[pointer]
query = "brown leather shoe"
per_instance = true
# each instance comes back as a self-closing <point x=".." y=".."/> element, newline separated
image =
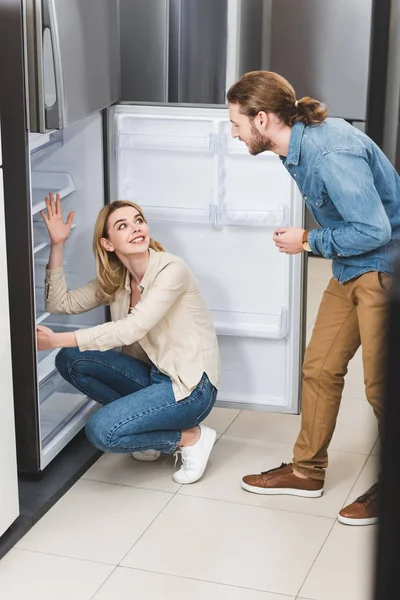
<point x="364" y="510"/>
<point x="282" y="480"/>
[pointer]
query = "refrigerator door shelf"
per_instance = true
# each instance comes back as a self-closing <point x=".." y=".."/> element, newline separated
<point x="132" y="141"/>
<point x="279" y="217"/>
<point x="44" y="182"/>
<point x="183" y="215"/>
<point x="267" y="326"/>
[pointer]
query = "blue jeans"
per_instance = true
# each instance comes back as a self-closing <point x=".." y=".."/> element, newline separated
<point x="139" y="408"/>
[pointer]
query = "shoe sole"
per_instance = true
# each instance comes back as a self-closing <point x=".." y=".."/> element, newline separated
<point x="282" y="491"/>
<point x="357" y="522"/>
<point x="187" y="482"/>
<point x="149" y="459"/>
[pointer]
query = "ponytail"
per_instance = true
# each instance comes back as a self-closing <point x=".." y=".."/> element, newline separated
<point x="269" y="92"/>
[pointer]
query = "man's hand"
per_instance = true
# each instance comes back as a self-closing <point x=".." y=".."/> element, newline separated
<point x="289" y="239"/>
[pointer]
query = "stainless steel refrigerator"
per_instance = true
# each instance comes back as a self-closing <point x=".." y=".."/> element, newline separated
<point x="204" y="195"/>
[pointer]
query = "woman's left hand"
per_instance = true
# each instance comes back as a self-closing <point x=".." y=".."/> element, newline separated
<point x="45" y="338"/>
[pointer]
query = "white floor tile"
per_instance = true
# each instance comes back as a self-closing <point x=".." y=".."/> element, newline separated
<point x="344" y="569"/>
<point x="130" y="583"/>
<point x="220" y="418"/>
<point x="123" y="469"/>
<point x="356" y="429"/>
<point x="228" y="543"/>
<point x="34" y="576"/>
<point x="234" y="457"/>
<point x="95" y="521"/>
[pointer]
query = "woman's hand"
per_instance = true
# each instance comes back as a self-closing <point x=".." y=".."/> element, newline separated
<point x="45" y="338"/>
<point x="58" y="230"/>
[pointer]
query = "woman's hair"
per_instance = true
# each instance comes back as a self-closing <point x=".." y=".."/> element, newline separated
<point x="111" y="273"/>
<point x="269" y="92"/>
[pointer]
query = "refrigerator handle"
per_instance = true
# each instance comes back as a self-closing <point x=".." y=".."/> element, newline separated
<point x="55" y="111"/>
<point x="35" y="62"/>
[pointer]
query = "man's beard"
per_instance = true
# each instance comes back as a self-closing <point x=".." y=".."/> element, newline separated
<point x="258" y="143"/>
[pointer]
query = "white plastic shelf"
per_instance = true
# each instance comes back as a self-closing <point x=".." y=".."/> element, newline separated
<point x="44" y="243"/>
<point x="267" y="326"/>
<point x="180" y="215"/>
<point x="40" y="317"/>
<point x="46" y="363"/>
<point x="142" y="141"/>
<point x="226" y="216"/>
<point x="44" y="182"/>
<point x="42" y="145"/>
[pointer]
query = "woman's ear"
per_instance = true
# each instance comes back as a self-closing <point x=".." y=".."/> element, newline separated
<point x="107" y="245"/>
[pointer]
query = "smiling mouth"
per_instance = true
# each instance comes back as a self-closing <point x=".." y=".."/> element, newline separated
<point x="137" y="240"/>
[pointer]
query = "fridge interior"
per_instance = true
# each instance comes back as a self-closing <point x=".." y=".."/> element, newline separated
<point x="69" y="162"/>
<point x="210" y="202"/>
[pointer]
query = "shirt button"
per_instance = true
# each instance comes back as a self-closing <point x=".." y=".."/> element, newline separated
<point x="305" y="197"/>
<point x="294" y="174"/>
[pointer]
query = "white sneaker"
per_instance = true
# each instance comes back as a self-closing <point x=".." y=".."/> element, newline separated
<point x="146" y="455"/>
<point x="195" y="458"/>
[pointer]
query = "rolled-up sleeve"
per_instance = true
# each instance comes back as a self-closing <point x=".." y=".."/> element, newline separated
<point x="170" y="283"/>
<point x="349" y="183"/>
<point x="60" y="300"/>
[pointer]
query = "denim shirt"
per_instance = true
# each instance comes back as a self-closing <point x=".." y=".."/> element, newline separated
<point x="353" y="192"/>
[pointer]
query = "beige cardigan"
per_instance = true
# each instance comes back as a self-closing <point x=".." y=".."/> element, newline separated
<point x="170" y="326"/>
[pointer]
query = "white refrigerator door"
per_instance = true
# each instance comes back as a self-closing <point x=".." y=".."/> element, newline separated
<point x="210" y="202"/>
<point x="9" y="508"/>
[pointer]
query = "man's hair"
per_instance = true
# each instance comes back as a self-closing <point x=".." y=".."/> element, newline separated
<point x="269" y="92"/>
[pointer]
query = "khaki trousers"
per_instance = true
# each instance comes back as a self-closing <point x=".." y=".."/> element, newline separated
<point x="350" y="314"/>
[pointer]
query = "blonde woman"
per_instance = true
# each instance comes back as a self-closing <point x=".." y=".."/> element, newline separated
<point x="158" y="390"/>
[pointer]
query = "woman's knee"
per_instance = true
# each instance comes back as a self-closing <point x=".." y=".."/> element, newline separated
<point x="64" y="360"/>
<point x="96" y="432"/>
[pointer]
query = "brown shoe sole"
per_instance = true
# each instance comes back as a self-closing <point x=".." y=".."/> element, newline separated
<point x="286" y="491"/>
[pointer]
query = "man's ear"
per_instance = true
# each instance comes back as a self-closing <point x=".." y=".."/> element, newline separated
<point x="107" y="245"/>
<point x="261" y="120"/>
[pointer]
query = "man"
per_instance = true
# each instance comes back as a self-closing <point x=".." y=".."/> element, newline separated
<point x="353" y="192"/>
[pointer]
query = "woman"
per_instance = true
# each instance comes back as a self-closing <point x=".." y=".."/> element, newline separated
<point x="164" y="383"/>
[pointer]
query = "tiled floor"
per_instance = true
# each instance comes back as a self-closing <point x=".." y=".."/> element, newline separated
<point x="126" y="530"/>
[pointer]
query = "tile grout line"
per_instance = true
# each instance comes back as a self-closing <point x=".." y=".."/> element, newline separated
<point x="148" y="527"/>
<point x="316" y="558"/>
<point x="104" y="582"/>
<point x="232" y="585"/>
<point x="359" y="475"/>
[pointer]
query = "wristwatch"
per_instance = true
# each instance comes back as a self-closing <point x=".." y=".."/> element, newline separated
<point x="304" y="242"/>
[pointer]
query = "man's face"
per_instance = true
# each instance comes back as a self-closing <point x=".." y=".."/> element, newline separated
<point x="249" y="131"/>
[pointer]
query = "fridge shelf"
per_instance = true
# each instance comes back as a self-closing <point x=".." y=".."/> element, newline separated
<point x="252" y="218"/>
<point x="46" y="364"/>
<point x="180" y="214"/>
<point x="44" y="144"/>
<point x="44" y="182"/>
<point x="252" y="325"/>
<point x="133" y="141"/>
<point x="40" y="247"/>
<point x="42" y="317"/>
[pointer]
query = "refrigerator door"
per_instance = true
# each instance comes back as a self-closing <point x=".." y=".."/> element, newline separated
<point x="210" y="202"/>
<point x="9" y="508"/>
<point x="73" y="59"/>
<point x="71" y="165"/>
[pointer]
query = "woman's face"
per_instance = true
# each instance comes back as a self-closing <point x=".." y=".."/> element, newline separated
<point x="128" y="233"/>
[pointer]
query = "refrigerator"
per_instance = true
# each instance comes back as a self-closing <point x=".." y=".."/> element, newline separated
<point x="206" y="200"/>
<point x="9" y="506"/>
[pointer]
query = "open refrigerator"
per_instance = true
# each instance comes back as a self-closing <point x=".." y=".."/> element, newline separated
<point x="206" y="200"/>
